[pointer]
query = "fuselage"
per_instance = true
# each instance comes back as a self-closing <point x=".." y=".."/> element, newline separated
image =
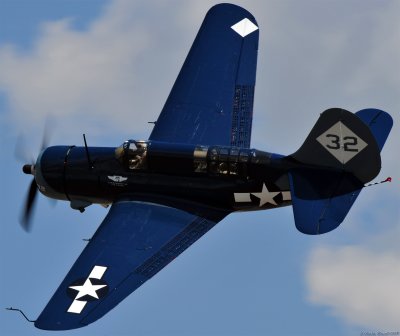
<point x="220" y="177"/>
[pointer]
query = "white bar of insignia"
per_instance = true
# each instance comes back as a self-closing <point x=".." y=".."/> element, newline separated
<point x="97" y="272"/>
<point x="242" y="197"/>
<point x="76" y="306"/>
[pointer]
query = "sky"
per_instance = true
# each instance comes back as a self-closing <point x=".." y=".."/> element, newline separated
<point x="105" y="68"/>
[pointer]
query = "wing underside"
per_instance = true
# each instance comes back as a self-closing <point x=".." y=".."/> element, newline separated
<point x="134" y="242"/>
<point x="211" y="102"/>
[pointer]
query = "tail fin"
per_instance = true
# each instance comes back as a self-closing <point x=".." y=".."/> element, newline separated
<point x="341" y="153"/>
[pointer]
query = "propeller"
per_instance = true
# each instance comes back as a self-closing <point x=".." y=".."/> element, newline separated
<point x="22" y="154"/>
<point x="30" y="198"/>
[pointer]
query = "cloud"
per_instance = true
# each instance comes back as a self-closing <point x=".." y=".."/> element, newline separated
<point x="101" y="79"/>
<point x="344" y="57"/>
<point x="116" y="74"/>
<point x="358" y="284"/>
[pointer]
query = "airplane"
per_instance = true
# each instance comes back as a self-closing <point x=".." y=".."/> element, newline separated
<point x="196" y="168"/>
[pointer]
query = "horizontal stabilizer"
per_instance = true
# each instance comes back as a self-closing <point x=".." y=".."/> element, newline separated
<point x="314" y="214"/>
<point x="379" y="122"/>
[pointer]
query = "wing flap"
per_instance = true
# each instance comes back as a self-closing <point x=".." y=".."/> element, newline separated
<point x="134" y="242"/>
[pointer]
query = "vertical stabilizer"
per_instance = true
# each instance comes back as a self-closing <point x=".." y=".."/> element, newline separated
<point x="341" y="153"/>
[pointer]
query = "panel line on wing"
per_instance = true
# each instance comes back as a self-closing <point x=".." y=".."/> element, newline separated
<point x="242" y="115"/>
<point x="175" y="247"/>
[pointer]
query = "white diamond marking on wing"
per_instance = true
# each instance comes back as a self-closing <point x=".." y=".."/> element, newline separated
<point x="341" y="142"/>
<point x="244" y="27"/>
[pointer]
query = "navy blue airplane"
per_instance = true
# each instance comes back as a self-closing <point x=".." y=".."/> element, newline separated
<point x="196" y="168"/>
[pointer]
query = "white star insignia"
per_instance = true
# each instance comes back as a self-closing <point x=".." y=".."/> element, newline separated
<point x="87" y="289"/>
<point x="266" y="196"/>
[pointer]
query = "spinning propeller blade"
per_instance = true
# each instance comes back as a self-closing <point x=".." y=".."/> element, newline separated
<point x="21" y="154"/>
<point x="30" y="200"/>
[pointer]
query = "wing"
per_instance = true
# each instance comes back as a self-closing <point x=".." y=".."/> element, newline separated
<point x="211" y="102"/>
<point x="134" y="242"/>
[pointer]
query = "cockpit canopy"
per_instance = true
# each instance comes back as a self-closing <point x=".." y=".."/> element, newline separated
<point x="132" y="154"/>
